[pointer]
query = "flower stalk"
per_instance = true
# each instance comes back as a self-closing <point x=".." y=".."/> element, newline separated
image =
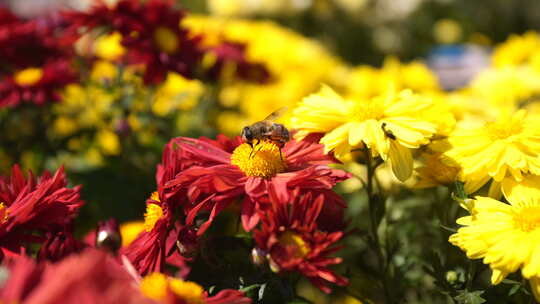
<point x="376" y="213"/>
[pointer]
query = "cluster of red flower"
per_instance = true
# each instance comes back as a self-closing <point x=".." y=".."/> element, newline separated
<point x="36" y="56"/>
<point x="33" y="62"/>
<point x="295" y="216"/>
<point x="292" y="214"/>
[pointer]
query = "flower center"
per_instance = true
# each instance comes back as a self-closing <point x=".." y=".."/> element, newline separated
<point x="370" y="109"/>
<point x="28" y="77"/>
<point x="190" y="292"/>
<point x="166" y="40"/>
<point x="528" y="218"/>
<point x="292" y="240"/>
<point x="155" y="286"/>
<point x="152" y="215"/>
<point x="503" y="129"/>
<point x="3" y="213"/>
<point x="264" y="159"/>
<point x="110" y="47"/>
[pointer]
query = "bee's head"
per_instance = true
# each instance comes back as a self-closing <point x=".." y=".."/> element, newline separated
<point x="247" y="135"/>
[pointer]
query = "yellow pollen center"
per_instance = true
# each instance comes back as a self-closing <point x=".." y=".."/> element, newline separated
<point x="292" y="240"/>
<point x="155" y="285"/>
<point x="503" y="130"/>
<point x="28" y="77"/>
<point x="3" y="213"/>
<point x="190" y="292"/>
<point x="155" y="196"/>
<point x="371" y="109"/>
<point x="166" y="40"/>
<point x="152" y="215"/>
<point x="528" y="218"/>
<point x="263" y="160"/>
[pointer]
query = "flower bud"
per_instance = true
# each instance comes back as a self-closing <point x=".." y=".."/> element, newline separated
<point x="108" y="235"/>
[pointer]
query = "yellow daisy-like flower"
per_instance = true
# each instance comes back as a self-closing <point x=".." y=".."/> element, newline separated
<point x="156" y="285"/>
<point x="505" y="236"/>
<point x="387" y="124"/>
<point x="517" y="49"/>
<point x="365" y="81"/>
<point x="509" y="146"/>
<point x="435" y="172"/>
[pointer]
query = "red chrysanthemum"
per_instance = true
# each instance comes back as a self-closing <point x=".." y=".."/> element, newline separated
<point x="59" y="245"/>
<point x="160" y="241"/>
<point x="29" y="43"/>
<point x="38" y="85"/>
<point x="154" y="38"/>
<point x="151" y="33"/>
<point x="291" y="240"/>
<point x="219" y="172"/>
<point x="29" y="206"/>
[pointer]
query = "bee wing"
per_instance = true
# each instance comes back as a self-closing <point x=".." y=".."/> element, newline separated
<point x="276" y="114"/>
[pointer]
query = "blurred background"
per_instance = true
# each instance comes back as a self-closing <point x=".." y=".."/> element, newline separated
<point x="362" y="31"/>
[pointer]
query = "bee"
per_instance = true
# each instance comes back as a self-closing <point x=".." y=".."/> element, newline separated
<point x="388" y="133"/>
<point x="267" y="129"/>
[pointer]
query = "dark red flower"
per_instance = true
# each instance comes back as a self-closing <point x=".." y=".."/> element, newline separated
<point x="163" y="237"/>
<point x="291" y="240"/>
<point x="29" y="43"/>
<point x="29" y="206"/>
<point x="219" y="172"/>
<point x="59" y="245"/>
<point x="154" y="38"/>
<point x="38" y="85"/>
<point x="151" y="33"/>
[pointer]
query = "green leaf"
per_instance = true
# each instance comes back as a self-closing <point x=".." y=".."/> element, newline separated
<point x="470" y="297"/>
<point x="514" y="289"/>
<point x="460" y="190"/>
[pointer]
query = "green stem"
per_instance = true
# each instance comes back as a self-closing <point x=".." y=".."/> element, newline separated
<point x="372" y="201"/>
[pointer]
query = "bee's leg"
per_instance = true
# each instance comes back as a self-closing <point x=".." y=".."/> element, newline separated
<point x="257" y="151"/>
<point x="280" y="154"/>
<point x="252" y="148"/>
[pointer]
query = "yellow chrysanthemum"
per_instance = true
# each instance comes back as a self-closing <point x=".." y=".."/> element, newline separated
<point x="506" y="87"/>
<point x="387" y="124"/>
<point x="435" y="172"/>
<point x="28" y="77"/>
<point x="109" y="47"/>
<point x="156" y="285"/>
<point x="517" y="49"/>
<point x="130" y="230"/>
<point x="232" y="8"/>
<point x="505" y="236"/>
<point x="109" y="142"/>
<point x="177" y="93"/>
<point x="297" y="65"/>
<point x="509" y="146"/>
<point x="366" y="81"/>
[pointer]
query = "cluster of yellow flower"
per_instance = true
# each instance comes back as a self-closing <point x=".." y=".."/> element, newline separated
<point x="484" y="135"/>
<point x="94" y="115"/>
